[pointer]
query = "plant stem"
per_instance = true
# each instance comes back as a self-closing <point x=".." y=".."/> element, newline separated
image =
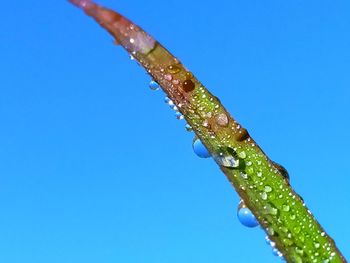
<point x="259" y="181"/>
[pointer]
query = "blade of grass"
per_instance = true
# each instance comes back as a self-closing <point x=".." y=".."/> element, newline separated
<point x="259" y="181"/>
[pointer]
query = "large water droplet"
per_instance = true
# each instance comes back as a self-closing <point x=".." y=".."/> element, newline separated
<point x="200" y="149"/>
<point x="188" y="85"/>
<point x="246" y="217"/>
<point x="153" y="85"/>
<point x="227" y="160"/>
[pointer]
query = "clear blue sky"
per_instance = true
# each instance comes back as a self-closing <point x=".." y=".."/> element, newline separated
<point x="94" y="167"/>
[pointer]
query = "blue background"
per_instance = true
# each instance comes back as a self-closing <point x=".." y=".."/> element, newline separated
<point x="95" y="168"/>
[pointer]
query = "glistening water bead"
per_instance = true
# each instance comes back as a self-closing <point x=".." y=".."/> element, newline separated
<point x="179" y="115"/>
<point x="222" y="120"/>
<point x="246" y="217"/>
<point x="153" y="85"/>
<point x="188" y="85"/>
<point x="169" y="102"/>
<point x="199" y="149"/>
<point x="282" y="170"/>
<point x="277" y="253"/>
<point x="188" y="127"/>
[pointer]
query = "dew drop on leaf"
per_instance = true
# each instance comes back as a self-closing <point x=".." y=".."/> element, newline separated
<point x="188" y="128"/>
<point x="199" y="149"/>
<point x="267" y="188"/>
<point x="179" y="115"/>
<point x="188" y="85"/>
<point x="222" y="120"/>
<point x="173" y="69"/>
<point x="227" y="160"/>
<point x="246" y="217"/>
<point x="263" y="195"/>
<point x="168" y="77"/>
<point x="277" y="253"/>
<point x="153" y="85"/>
<point x="168" y="101"/>
<point x="282" y="170"/>
<point x="285" y="208"/>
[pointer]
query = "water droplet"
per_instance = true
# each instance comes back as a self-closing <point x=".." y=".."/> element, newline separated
<point x="267" y="189"/>
<point x="263" y="195"/>
<point x="173" y="69"/>
<point x="246" y="217"/>
<point x="188" y="128"/>
<point x="282" y="170"/>
<point x="285" y="208"/>
<point x="176" y="81"/>
<point x="244" y="175"/>
<point x="288" y="241"/>
<point x="227" y="160"/>
<point x="189" y="75"/>
<point x="299" y="251"/>
<point x="222" y="120"/>
<point x="200" y="149"/>
<point x="270" y="209"/>
<point x="270" y="231"/>
<point x="242" y="155"/>
<point x="153" y="85"/>
<point x="242" y="135"/>
<point x="317" y="245"/>
<point x="269" y="242"/>
<point x="188" y="85"/>
<point x="205" y="123"/>
<point x="276" y="252"/>
<point x="284" y="229"/>
<point x="168" y="101"/>
<point x="168" y="77"/>
<point x="179" y="115"/>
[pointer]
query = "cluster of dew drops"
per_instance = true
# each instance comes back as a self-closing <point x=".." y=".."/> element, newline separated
<point x="244" y="215"/>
